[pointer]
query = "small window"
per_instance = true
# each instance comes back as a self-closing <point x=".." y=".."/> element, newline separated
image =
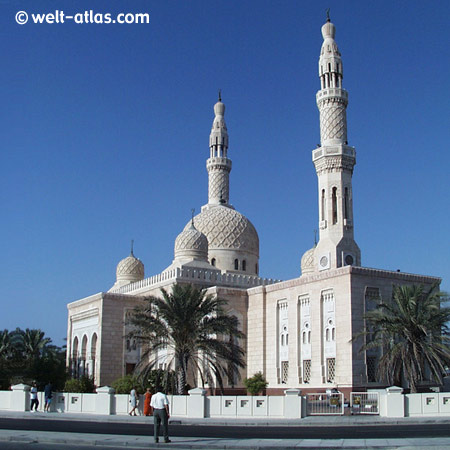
<point x="346" y="203"/>
<point x="213" y="262"/>
<point x="334" y="204"/>
<point x="236" y="264"/>
<point x="322" y="205"/>
<point x="244" y="265"/>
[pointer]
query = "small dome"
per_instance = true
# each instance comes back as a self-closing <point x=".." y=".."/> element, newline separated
<point x="219" y="109"/>
<point x="328" y="30"/>
<point x="191" y="243"/>
<point x="307" y="263"/>
<point x="130" y="269"/>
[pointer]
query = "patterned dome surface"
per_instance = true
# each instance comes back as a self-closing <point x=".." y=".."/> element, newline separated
<point x="191" y="239"/>
<point x="130" y="268"/>
<point x="307" y="263"/>
<point x="226" y="228"/>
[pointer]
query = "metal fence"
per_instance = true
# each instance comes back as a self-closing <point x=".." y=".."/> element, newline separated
<point x="365" y="402"/>
<point x="325" y="404"/>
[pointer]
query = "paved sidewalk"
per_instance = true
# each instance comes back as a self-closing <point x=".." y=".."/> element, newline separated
<point x="109" y="441"/>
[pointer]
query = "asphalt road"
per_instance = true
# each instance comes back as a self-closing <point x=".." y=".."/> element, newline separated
<point x="233" y="432"/>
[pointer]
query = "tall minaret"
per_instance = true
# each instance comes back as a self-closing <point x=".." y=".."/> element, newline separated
<point x="218" y="165"/>
<point x="334" y="161"/>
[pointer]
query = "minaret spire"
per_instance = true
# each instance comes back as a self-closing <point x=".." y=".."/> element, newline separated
<point x="218" y="164"/>
<point x="334" y="161"/>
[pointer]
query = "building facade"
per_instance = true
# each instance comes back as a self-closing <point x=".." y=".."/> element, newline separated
<point x="300" y="332"/>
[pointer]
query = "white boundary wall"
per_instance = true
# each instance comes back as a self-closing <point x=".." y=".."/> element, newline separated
<point x="393" y="403"/>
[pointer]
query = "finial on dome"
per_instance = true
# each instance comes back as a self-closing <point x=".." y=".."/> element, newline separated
<point x="192" y="218"/>
<point x="132" y="244"/>
<point x="220" y="95"/>
<point x="328" y="15"/>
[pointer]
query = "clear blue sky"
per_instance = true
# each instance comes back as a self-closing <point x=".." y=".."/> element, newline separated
<point x="105" y="136"/>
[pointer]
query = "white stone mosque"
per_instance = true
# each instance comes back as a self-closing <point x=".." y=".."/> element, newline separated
<point x="299" y="332"/>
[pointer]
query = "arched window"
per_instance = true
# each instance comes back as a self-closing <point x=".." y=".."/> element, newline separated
<point x="334" y="204"/>
<point x="236" y="264"/>
<point x="213" y="262"/>
<point x="346" y="203"/>
<point x="84" y="347"/>
<point x="304" y="337"/>
<point x="322" y="205"/>
<point x="309" y="337"/>
<point x="287" y="338"/>
<point x="282" y="339"/>
<point x="333" y="334"/>
<point x="244" y="265"/>
<point x="256" y="268"/>
<point x="75" y="348"/>
<point x="327" y="334"/>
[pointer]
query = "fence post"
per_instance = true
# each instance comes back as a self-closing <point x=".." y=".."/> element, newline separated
<point x="103" y="403"/>
<point x="196" y="403"/>
<point x="395" y="403"/>
<point x="292" y="404"/>
<point x="20" y="397"/>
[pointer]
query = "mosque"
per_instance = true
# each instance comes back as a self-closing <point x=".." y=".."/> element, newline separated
<point x="299" y="332"/>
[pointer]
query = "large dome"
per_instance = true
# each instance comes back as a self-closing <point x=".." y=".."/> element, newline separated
<point x="225" y="228"/>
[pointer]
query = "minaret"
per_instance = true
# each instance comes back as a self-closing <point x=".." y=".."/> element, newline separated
<point x="334" y="161"/>
<point x="218" y="165"/>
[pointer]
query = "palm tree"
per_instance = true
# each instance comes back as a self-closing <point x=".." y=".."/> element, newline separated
<point x="33" y="343"/>
<point x="413" y="334"/>
<point x="194" y="332"/>
<point x="5" y="344"/>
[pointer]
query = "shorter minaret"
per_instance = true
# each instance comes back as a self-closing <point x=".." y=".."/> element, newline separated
<point x="334" y="160"/>
<point x="218" y="165"/>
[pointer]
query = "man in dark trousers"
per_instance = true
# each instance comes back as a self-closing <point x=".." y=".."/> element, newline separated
<point x="160" y="405"/>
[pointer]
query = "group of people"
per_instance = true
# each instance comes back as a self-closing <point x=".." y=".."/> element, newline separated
<point x="156" y="405"/>
<point x="48" y="395"/>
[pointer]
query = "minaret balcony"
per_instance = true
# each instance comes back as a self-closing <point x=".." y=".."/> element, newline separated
<point x="218" y="161"/>
<point x="333" y="150"/>
<point x="331" y="92"/>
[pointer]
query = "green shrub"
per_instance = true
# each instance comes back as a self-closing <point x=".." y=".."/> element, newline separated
<point x="255" y="384"/>
<point x="124" y="384"/>
<point x="83" y="385"/>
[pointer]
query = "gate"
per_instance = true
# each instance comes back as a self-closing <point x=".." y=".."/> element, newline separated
<point x="324" y="404"/>
<point x="365" y="402"/>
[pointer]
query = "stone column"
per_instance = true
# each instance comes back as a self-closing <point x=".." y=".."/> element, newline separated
<point x="395" y="403"/>
<point x="196" y="403"/>
<point x="292" y="404"/>
<point x="20" y="397"/>
<point x="104" y="401"/>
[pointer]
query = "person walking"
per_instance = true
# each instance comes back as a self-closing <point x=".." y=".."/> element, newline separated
<point x="34" y="397"/>
<point x="48" y="394"/>
<point x="133" y="402"/>
<point x="147" y="399"/>
<point x="160" y="405"/>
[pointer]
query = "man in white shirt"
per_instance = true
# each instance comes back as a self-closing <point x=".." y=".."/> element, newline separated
<point x="160" y="405"/>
